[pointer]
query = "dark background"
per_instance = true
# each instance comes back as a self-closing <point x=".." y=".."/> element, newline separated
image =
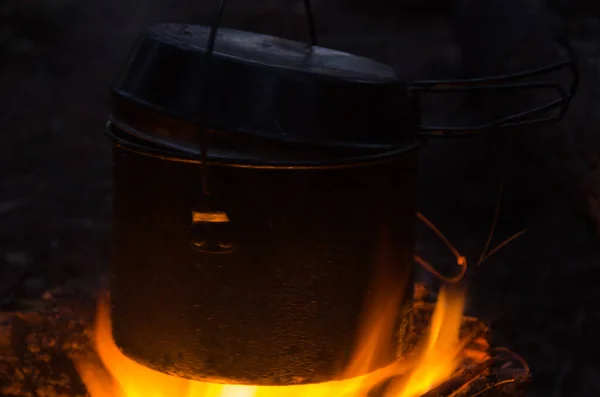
<point x="540" y="294"/>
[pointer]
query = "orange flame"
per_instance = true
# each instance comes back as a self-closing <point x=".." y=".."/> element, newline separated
<point x="439" y="356"/>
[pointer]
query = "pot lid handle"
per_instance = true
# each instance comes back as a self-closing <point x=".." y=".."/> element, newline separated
<point x="506" y="82"/>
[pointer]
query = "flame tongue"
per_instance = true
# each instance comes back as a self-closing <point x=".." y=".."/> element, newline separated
<point x="438" y="358"/>
<point x="441" y="354"/>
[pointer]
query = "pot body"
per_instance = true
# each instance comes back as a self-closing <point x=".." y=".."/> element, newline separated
<point x="266" y="281"/>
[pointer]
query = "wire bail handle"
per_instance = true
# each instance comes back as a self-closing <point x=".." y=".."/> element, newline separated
<point x="207" y="88"/>
<point x="210" y="230"/>
<point x="507" y="82"/>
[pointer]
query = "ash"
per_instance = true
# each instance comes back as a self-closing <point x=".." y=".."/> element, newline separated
<point x="37" y="345"/>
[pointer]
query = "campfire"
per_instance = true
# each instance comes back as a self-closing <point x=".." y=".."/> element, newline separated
<point x="437" y="359"/>
<point x="433" y="361"/>
<point x="447" y="354"/>
<point x="450" y="356"/>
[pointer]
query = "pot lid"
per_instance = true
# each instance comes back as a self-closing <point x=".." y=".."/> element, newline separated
<point x="268" y="86"/>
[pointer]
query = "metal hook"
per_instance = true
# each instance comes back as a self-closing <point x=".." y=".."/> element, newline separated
<point x="461" y="261"/>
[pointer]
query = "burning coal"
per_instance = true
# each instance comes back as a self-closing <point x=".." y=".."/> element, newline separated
<point x="432" y="362"/>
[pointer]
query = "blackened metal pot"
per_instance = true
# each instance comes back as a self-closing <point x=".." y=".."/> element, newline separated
<point x="254" y="263"/>
<point x="248" y="229"/>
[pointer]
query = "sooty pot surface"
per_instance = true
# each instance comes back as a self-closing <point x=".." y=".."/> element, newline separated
<point x="276" y="294"/>
<point x="264" y="277"/>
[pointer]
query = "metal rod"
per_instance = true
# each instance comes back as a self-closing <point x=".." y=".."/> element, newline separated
<point x="492" y="79"/>
<point x="461" y="261"/>
<point x="206" y="91"/>
<point x="312" y="30"/>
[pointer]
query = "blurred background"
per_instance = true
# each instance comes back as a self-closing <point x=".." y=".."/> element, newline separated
<point x="540" y="294"/>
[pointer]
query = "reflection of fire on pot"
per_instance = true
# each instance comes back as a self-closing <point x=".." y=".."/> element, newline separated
<point x="264" y="225"/>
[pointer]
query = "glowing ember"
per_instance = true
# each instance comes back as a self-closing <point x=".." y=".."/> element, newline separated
<point x="436" y="359"/>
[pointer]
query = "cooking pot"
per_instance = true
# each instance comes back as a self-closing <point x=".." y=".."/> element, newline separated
<point x="261" y="185"/>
